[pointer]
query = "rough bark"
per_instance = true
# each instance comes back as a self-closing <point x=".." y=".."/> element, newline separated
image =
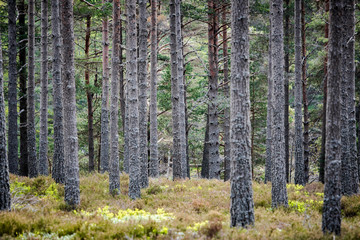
<point x="205" y="160"/>
<point x="33" y="163"/>
<point x="278" y="177"/>
<point x="299" y="147"/>
<point x="12" y="91"/>
<point x="23" y="166"/>
<point x="286" y="84"/>
<point x="323" y="130"/>
<point x="154" y="161"/>
<point x="331" y="217"/>
<point x="132" y="101"/>
<point x="305" y="100"/>
<point x="213" y="148"/>
<point x="43" y="141"/>
<point x="269" y="116"/>
<point x="5" y="198"/>
<point x="105" y="144"/>
<point x="89" y="96"/>
<point x="72" y="190"/>
<point x="114" y="171"/>
<point x="227" y="97"/>
<point x="349" y="171"/>
<point x="143" y="87"/>
<point x="242" y="204"/>
<point x="58" y="171"/>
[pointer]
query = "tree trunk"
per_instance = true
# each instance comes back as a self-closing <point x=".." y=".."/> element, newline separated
<point x="132" y="101"/>
<point x="72" y="190"/>
<point x="227" y="97"/>
<point x="323" y="130"/>
<point x="349" y="171"/>
<point x="154" y="161"/>
<point x="121" y="76"/>
<point x="89" y="96"/>
<point x="32" y="159"/>
<point x="43" y="141"/>
<point x="269" y="116"/>
<point x="205" y="161"/>
<point x="278" y="177"/>
<point x="58" y="172"/>
<point x="105" y="145"/>
<point x="305" y="100"/>
<point x="214" y="158"/>
<point x="143" y="86"/>
<point x="23" y="163"/>
<point x="114" y="171"/>
<point x="5" y="198"/>
<point x="242" y="204"/>
<point x="12" y="91"/>
<point x="286" y="85"/>
<point x="331" y="217"/>
<point x="299" y="147"/>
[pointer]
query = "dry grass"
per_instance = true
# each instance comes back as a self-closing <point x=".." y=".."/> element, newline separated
<point x="200" y="210"/>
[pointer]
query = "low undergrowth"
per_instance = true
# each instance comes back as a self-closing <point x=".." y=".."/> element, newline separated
<point x="189" y="209"/>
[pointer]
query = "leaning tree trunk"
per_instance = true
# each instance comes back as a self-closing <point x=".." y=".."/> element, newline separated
<point x="299" y="147"/>
<point x="227" y="97"/>
<point x="305" y="99"/>
<point x="43" y="141"/>
<point x="331" y="217"/>
<point x="89" y="96"/>
<point x="72" y="190"/>
<point x="349" y="176"/>
<point x="114" y="171"/>
<point x="32" y="159"/>
<point x="5" y="199"/>
<point x="323" y="130"/>
<point x="269" y="116"/>
<point x="286" y="85"/>
<point x="58" y="171"/>
<point x="213" y="147"/>
<point x="105" y="145"/>
<point x="23" y="161"/>
<point x="132" y="101"/>
<point x="143" y="86"/>
<point x="278" y="177"/>
<point x="12" y="91"/>
<point x="242" y="203"/>
<point x="154" y="161"/>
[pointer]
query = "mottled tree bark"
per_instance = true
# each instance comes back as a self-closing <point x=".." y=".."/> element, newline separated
<point x="5" y="198"/>
<point x="349" y="171"/>
<point x="132" y="101"/>
<point x="227" y="97"/>
<point x="278" y="177"/>
<point x="242" y="204"/>
<point x="143" y="87"/>
<point x="43" y="141"/>
<point x="213" y="147"/>
<point x="305" y="100"/>
<point x="269" y="116"/>
<point x="32" y="159"/>
<point x="89" y="96"/>
<point x="323" y="130"/>
<point x="154" y="161"/>
<point x="58" y="171"/>
<point x="331" y="217"/>
<point x="12" y="91"/>
<point x="72" y="190"/>
<point x="299" y="147"/>
<point x="114" y="171"/>
<point x="23" y="165"/>
<point x="105" y="144"/>
<point x="205" y="160"/>
<point x="286" y="84"/>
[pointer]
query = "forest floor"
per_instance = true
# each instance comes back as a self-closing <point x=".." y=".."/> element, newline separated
<point x="189" y="209"/>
